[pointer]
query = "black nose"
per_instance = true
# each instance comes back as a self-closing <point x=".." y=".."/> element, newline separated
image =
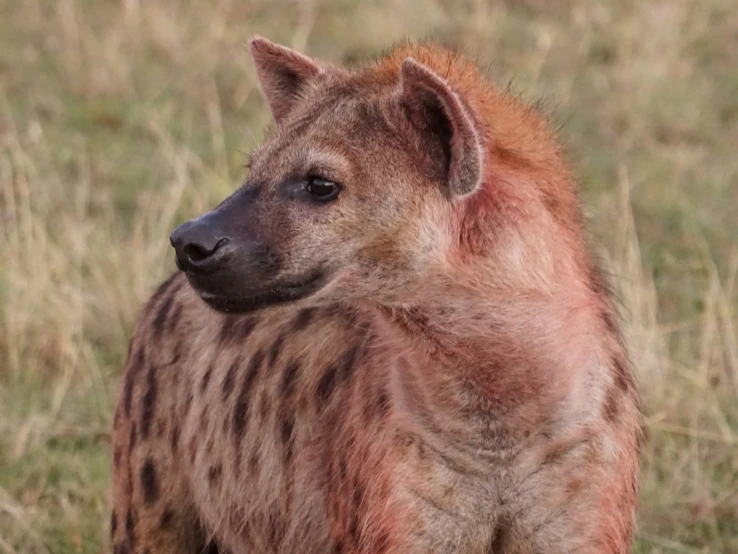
<point x="199" y="247"/>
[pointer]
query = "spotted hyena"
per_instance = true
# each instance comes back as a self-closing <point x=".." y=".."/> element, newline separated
<point x="390" y="339"/>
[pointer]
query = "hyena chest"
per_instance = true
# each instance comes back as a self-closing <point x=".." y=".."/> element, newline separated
<point x="286" y="454"/>
<point x="255" y="471"/>
<point x="382" y="490"/>
<point x="261" y="497"/>
<point x="259" y="441"/>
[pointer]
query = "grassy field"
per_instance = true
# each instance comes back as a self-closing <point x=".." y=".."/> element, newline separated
<point x="119" y="119"/>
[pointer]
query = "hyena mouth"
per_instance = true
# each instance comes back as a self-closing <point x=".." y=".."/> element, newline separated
<point x="272" y="295"/>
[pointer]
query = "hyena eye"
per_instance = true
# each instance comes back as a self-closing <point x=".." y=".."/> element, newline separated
<point x="322" y="190"/>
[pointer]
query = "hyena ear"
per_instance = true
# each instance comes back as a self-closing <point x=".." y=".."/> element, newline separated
<point x="439" y="115"/>
<point x="282" y="73"/>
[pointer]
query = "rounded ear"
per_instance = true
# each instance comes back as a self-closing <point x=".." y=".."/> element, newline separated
<point x="440" y="116"/>
<point x="282" y="74"/>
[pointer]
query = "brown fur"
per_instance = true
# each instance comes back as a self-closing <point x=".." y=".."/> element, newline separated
<point x="459" y="386"/>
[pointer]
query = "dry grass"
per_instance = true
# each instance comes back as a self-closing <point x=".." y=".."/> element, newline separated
<point x="118" y="119"/>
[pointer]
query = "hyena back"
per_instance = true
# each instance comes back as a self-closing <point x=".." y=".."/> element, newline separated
<point x="390" y="339"/>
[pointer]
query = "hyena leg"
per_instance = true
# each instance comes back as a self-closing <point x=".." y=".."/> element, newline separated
<point x="152" y="512"/>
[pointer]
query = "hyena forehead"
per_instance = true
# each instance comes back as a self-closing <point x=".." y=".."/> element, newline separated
<point x="334" y="134"/>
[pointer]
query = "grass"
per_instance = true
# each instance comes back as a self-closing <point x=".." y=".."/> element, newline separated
<point x="120" y="119"/>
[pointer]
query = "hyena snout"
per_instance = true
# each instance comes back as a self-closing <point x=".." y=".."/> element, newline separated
<point x="200" y="247"/>
<point x="223" y="268"/>
<point x="221" y="242"/>
<point x="232" y="266"/>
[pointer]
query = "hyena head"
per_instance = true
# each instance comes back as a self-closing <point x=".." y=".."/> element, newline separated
<point x="354" y="195"/>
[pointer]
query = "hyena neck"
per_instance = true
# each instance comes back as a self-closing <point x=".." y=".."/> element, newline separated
<point x="514" y="352"/>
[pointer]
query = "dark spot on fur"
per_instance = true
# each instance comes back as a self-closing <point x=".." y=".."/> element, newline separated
<point x="167" y="517"/>
<point x="574" y="485"/>
<point x="354" y="528"/>
<point x="204" y="420"/>
<point x="303" y="319"/>
<point x="237" y="462"/>
<point x="132" y="437"/>
<point x="381" y="543"/>
<point x="134" y="368"/>
<point x="174" y="437"/>
<point x="240" y="411"/>
<point x="244" y="327"/>
<point x="289" y="474"/>
<point x="348" y="362"/>
<point x="597" y="282"/>
<point x="553" y="203"/>
<point x="148" y="402"/>
<point x="149" y="482"/>
<point x="254" y="462"/>
<point x="206" y="378"/>
<point x="610" y="322"/>
<point x="130" y="524"/>
<point x="175" y="317"/>
<point x="287" y="430"/>
<point x="327" y="384"/>
<point x="116" y="457"/>
<point x="275" y="350"/>
<point x="381" y="406"/>
<point x="622" y="377"/>
<point x="175" y="359"/>
<point x="193" y="449"/>
<point x="338" y="548"/>
<point x="611" y="408"/>
<point x="288" y="425"/>
<point x="288" y="379"/>
<point x="560" y="450"/>
<point x="266" y="404"/>
<point x="214" y="474"/>
<point x="161" y="317"/>
<point x="188" y="390"/>
<point x="236" y="328"/>
<point x="376" y="408"/>
<point x="276" y="530"/>
<point x="211" y="548"/>
<point x="226" y="327"/>
<point x="358" y="495"/>
<point x="229" y="379"/>
<point x="113" y="524"/>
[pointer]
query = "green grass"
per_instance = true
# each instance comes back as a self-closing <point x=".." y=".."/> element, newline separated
<point x="119" y="119"/>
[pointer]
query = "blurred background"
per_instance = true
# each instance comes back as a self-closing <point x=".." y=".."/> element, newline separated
<point x="119" y="119"/>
